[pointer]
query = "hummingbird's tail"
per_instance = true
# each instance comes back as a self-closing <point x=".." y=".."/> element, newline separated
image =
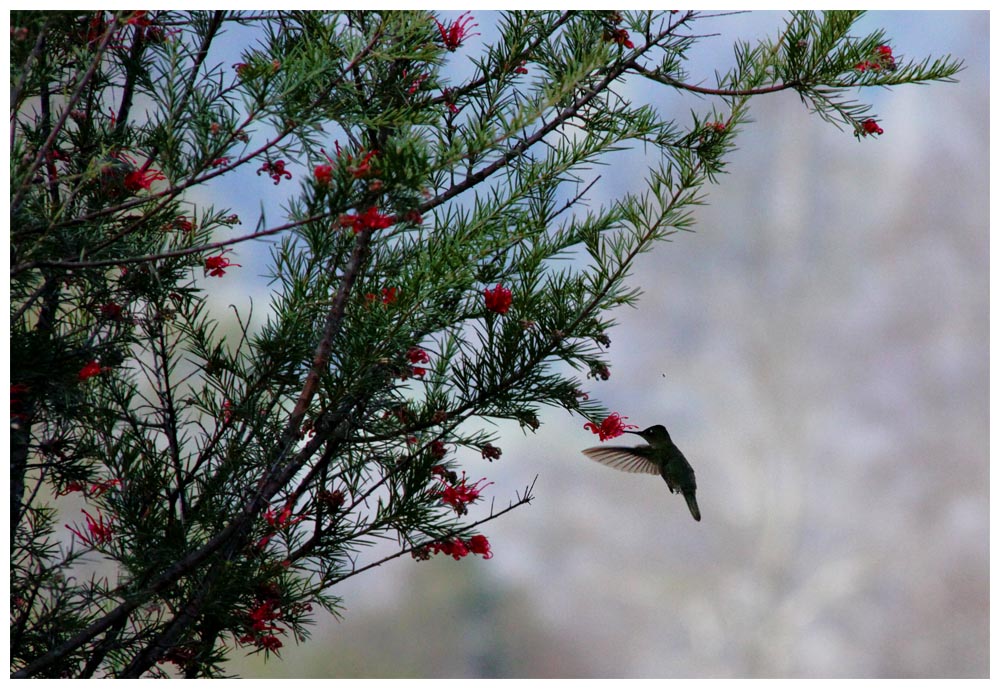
<point x="692" y="505"/>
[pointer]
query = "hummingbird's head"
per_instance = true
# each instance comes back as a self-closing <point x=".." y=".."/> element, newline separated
<point x="653" y="434"/>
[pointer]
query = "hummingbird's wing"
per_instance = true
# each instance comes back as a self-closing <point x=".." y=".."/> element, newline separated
<point x="623" y="459"/>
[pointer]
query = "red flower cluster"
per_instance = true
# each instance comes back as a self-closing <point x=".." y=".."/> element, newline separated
<point x="619" y="36"/>
<point x="611" y="427"/>
<point x="418" y="356"/>
<point x="262" y="631"/>
<point x="870" y="126"/>
<point x="457" y="548"/>
<point x="110" y="311"/>
<point x="278" y="521"/>
<point x="521" y="69"/>
<point x="438" y="449"/>
<point x="97" y="489"/>
<point x="139" y="18"/>
<point x="416" y="82"/>
<point x="181" y="223"/>
<point x="142" y="179"/>
<point x="449" y="100"/>
<point x="363" y="168"/>
<point x="883" y="60"/>
<point x="388" y="295"/>
<point x="216" y="265"/>
<point x="324" y="173"/>
<point x="135" y="178"/>
<point x="498" y="299"/>
<point x="458" y="495"/>
<point x="92" y="369"/>
<point x="98" y="531"/>
<point x="276" y="170"/>
<point x="371" y="219"/>
<point x="457" y="31"/>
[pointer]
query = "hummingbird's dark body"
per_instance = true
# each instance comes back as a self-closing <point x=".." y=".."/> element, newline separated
<point x="660" y="456"/>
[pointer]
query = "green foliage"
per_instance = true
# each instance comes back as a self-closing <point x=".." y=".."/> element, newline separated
<point x="231" y="482"/>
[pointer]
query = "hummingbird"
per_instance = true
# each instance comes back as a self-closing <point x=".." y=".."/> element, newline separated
<point x="660" y="456"/>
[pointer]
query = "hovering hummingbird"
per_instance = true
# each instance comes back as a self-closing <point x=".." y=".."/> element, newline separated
<point x="660" y="456"/>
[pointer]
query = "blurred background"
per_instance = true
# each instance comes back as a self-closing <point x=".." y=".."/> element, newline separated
<point x="819" y="350"/>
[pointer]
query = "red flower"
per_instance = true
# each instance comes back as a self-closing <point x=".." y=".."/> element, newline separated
<point x="619" y="36"/>
<point x="101" y="487"/>
<point x="362" y="169"/>
<point x="216" y="265"/>
<point x="480" y="545"/>
<point x="611" y="427"/>
<point x="221" y="162"/>
<point x="181" y="223"/>
<point x="388" y="295"/>
<point x="417" y="356"/>
<point x="449" y="101"/>
<point x="457" y="31"/>
<point x="98" y="531"/>
<point x="111" y="311"/>
<point x="870" y="126"/>
<point x="278" y="521"/>
<point x="95" y="28"/>
<point x="276" y="170"/>
<point x="416" y="83"/>
<point x="498" y="299"/>
<point x="459" y="549"/>
<point x="883" y="60"/>
<point x="269" y="642"/>
<point x="521" y="69"/>
<point x="456" y="547"/>
<point x="90" y="370"/>
<point x="323" y="173"/>
<point x="371" y="219"/>
<point x="263" y="614"/>
<point x="281" y="519"/>
<point x="72" y="487"/>
<point x="139" y="18"/>
<point x="142" y="179"/>
<point x="460" y="494"/>
<point x="262" y="631"/>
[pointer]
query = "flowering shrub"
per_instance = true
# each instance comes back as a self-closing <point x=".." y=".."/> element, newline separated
<point x="237" y="459"/>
